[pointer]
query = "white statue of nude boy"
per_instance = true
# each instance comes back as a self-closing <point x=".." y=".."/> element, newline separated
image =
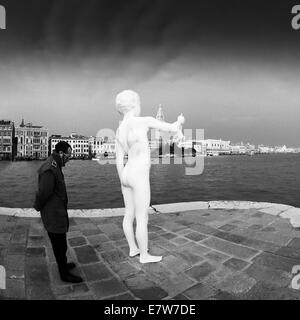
<point x="131" y="139"/>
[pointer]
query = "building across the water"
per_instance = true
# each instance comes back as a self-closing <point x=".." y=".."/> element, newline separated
<point x="78" y="143"/>
<point x="32" y="141"/>
<point x="7" y="140"/>
<point x="216" y="147"/>
<point x="102" y="146"/>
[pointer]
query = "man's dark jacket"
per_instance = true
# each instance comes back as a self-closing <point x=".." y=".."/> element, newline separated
<point x="51" y="198"/>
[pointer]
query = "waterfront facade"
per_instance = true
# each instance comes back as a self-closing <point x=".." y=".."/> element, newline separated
<point x="78" y="143"/>
<point x="7" y="142"/>
<point x="32" y="141"/>
<point x="217" y="147"/>
<point x="100" y="146"/>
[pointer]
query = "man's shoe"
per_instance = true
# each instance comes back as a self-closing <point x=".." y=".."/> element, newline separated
<point x="69" y="277"/>
<point x="71" y="265"/>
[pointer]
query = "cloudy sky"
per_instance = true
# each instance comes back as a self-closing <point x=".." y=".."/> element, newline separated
<point x="233" y="69"/>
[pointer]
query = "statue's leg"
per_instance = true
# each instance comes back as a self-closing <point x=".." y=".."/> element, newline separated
<point x="141" y="195"/>
<point x="128" y="221"/>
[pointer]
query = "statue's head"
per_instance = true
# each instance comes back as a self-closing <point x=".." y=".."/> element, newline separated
<point x="128" y="100"/>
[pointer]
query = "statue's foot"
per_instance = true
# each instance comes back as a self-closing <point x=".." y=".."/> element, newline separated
<point x="148" y="258"/>
<point x="135" y="252"/>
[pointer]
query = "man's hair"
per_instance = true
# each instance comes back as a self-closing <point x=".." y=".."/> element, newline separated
<point x="62" y="146"/>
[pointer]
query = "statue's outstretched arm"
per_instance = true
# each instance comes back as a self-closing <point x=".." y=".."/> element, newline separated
<point x="164" y="126"/>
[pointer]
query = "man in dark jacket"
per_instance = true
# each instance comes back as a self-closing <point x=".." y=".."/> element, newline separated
<point x="52" y="201"/>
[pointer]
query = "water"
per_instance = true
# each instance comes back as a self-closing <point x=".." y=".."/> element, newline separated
<point x="270" y="178"/>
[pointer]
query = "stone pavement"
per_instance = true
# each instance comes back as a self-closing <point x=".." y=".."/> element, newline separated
<point x="207" y="254"/>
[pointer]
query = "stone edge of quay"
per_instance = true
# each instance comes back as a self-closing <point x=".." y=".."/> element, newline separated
<point x="282" y="210"/>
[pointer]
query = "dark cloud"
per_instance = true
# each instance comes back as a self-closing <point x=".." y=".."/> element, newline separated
<point x="224" y="63"/>
<point x="92" y="26"/>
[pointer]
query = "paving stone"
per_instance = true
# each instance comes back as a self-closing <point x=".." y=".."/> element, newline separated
<point x="106" y="246"/>
<point x="87" y="226"/>
<point x="153" y="228"/>
<point x="144" y="289"/>
<point x="120" y="243"/>
<point x="261" y="245"/>
<point x="153" y="235"/>
<point x="289" y="252"/>
<point x="39" y="292"/>
<point x="235" y="264"/>
<point x="106" y="288"/>
<point x="19" y="238"/>
<point x="266" y="291"/>
<point x="215" y="223"/>
<point x="199" y="272"/>
<point x="74" y="234"/>
<point x="36" y="271"/>
<point x="180" y="297"/>
<point x="125" y="296"/>
<point x="80" y="297"/>
<point x="71" y="291"/>
<point x="223" y="295"/>
<point x="230" y="237"/>
<point x="36" y="241"/>
<point x="179" y="241"/>
<point x="196" y="249"/>
<point x="156" y="250"/>
<point x="237" y="283"/>
<point x="173" y="226"/>
<point x="169" y="263"/>
<point x="15" y="274"/>
<point x="275" y="261"/>
<point x="15" y="262"/>
<point x="255" y="227"/>
<point x="110" y="229"/>
<point x="190" y="257"/>
<point x="164" y="243"/>
<point x="74" y="229"/>
<point x="216" y="256"/>
<point x="86" y="254"/>
<point x="294" y="243"/>
<point x="36" y="252"/>
<point x="195" y="236"/>
<point x="184" y="231"/>
<point x="4" y="238"/>
<point x="204" y="229"/>
<point x="276" y="277"/>
<point x="90" y="232"/>
<point x="268" y="229"/>
<point x="96" y="272"/>
<point x="114" y="256"/>
<point x="15" y="289"/>
<point x="124" y="269"/>
<point x="168" y="235"/>
<point x="230" y="248"/>
<point x="200" y="292"/>
<point x="227" y="227"/>
<point x="18" y="249"/>
<point x="175" y="283"/>
<point x="76" y="242"/>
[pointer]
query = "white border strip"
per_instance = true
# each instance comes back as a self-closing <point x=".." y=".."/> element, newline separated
<point x="282" y="210"/>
